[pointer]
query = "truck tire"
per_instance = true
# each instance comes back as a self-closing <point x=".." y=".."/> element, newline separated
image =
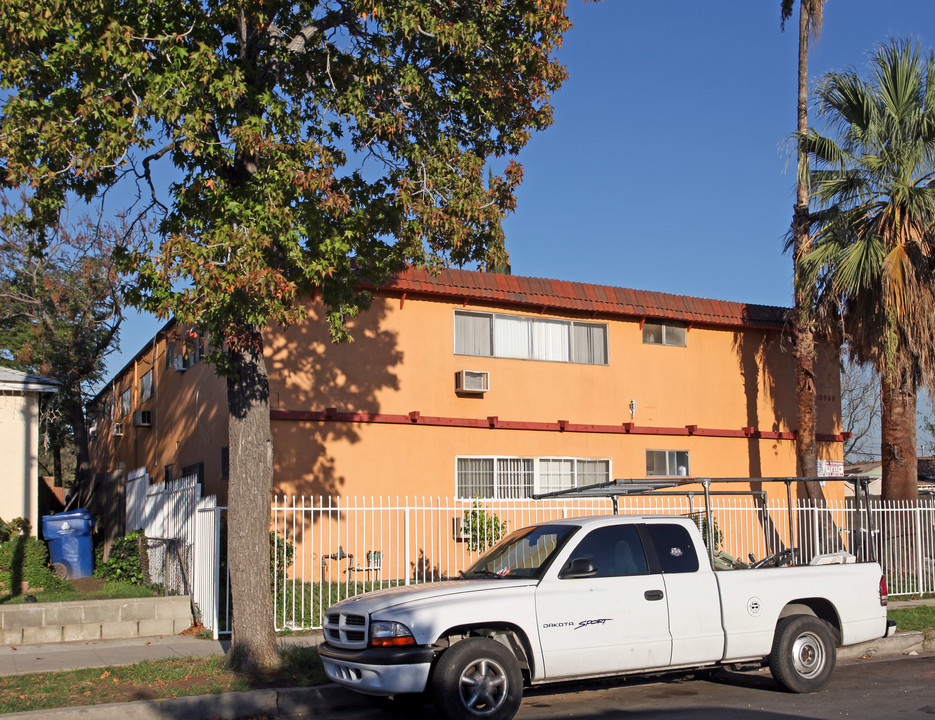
<point x="477" y="678"/>
<point x="803" y="654"/>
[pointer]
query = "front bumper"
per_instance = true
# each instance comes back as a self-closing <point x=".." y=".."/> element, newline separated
<point x="379" y="671"/>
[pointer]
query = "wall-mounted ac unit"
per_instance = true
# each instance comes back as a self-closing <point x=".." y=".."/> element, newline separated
<point x="180" y="363"/>
<point x="117" y="430"/>
<point x="473" y="382"/>
<point x="143" y="418"/>
<point x="458" y="529"/>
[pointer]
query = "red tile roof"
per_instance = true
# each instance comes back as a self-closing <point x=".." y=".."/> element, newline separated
<point x="593" y="300"/>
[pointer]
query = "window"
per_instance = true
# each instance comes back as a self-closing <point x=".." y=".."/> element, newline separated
<point x="126" y="402"/>
<point x="530" y="338"/>
<point x="225" y="462"/>
<point x="667" y="462"/>
<point x="615" y="550"/>
<point x="664" y="334"/>
<point x="195" y="470"/>
<point x="674" y="548"/>
<point x="146" y="386"/>
<point x="515" y="478"/>
<point x="170" y="354"/>
<point x="167" y="477"/>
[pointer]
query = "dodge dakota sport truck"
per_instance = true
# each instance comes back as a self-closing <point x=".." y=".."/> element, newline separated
<point x="597" y="596"/>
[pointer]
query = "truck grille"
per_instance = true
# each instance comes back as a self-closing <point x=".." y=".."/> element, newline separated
<point x="346" y="630"/>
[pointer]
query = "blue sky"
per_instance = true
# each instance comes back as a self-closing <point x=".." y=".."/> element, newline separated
<point x="667" y="167"/>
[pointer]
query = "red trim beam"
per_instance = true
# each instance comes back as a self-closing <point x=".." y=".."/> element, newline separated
<point x="415" y="417"/>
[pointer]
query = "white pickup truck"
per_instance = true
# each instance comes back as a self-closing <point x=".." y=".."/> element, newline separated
<point x="597" y="596"/>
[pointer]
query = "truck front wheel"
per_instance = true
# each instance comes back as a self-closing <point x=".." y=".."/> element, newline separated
<point x="803" y="654"/>
<point x="477" y="678"/>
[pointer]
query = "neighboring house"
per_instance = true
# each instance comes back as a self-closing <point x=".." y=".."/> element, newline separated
<point x="19" y="443"/>
<point x="874" y="471"/>
<point x="470" y="384"/>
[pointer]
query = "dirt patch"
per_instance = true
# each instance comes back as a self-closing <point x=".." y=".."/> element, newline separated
<point x="88" y="584"/>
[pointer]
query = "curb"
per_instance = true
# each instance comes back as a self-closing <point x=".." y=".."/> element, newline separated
<point x="902" y="643"/>
<point x="326" y="700"/>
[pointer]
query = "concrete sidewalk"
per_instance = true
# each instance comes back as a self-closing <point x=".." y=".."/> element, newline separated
<point x="25" y="659"/>
<point x="321" y="701"/>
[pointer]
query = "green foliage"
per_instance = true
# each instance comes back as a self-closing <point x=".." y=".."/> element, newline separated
<point x="14" y="528"/>
<point x="26" y="559"/>
<point x="312" y="148"/>
<point x="281" y="554"/>
<point x="483" y="529"/>
<point x="701" y="522"/>
<point x="300" y="605"/>
<point x="125" y="562"/>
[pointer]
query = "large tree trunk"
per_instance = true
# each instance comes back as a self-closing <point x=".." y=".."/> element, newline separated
<point x="806" y="448"/>
<point x="249" y="495"/>
<point x="898" y="438"/>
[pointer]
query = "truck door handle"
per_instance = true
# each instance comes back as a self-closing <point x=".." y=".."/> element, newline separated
<point x="653" y="595"/>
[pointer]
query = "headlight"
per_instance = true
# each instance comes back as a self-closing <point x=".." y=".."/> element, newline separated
<point x="390" y="634"/>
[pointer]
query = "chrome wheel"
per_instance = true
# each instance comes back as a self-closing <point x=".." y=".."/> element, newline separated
<point x="808" y="655"/>
<point x="483" y="687"/>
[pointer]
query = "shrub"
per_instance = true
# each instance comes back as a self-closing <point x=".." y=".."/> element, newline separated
<point x="125" y="563"/>
<point x="482" y="528"/>
<point x="26" y="559"/>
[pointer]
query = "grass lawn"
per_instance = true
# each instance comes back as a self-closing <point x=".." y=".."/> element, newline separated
<point x="151" y="680"/>
<point x="91" y="588"/>
<point x="915" y="618"/>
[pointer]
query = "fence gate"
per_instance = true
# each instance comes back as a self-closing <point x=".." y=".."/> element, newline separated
<point x="169" y="526"/>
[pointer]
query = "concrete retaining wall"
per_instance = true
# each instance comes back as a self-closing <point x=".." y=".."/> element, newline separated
<point x="94" y="620"/>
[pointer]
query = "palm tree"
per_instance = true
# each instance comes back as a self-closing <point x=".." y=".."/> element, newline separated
<point x="806" y="447"/>
<point x="873" y="179"/>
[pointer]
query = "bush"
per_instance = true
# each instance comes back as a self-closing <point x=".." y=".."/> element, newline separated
<point x="26" y="559"/>
<point x="482" y="529"/>
<point x="125" y="563"/>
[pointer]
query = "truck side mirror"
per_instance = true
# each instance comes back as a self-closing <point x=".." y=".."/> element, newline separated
<point x="578" y="567"/>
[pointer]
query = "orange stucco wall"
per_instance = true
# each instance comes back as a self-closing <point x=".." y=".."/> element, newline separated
<point x="403" y="361"/>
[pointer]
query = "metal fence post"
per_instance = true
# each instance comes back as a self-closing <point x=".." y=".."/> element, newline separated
<point x="406" y="543"/>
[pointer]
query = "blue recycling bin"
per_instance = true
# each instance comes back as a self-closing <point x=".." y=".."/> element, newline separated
<point x="70" y="547"/>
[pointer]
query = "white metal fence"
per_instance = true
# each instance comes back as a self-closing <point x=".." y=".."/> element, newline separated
<point x="168" y="523"/>
<point x="329" y="548"/>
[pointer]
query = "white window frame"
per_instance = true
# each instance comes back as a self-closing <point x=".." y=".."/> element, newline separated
<point x="532" y="352"/>
<point x="126" y="402"/>
<point x="539" y="465"/>
<point x="667" y="328"/>
<point x="672" y="464"/>
<point x="146" y="386"/>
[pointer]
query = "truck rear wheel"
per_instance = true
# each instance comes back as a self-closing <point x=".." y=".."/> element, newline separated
<point x="803" y="654"/>
<point x="477" y="678"/>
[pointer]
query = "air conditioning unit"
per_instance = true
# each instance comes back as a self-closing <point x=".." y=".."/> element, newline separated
<point x="143" y="418"/>
<point x="180" y="363"/>
<point x="458" y="529"/>
<point x="473" y="382"/>
<point x="117" y="430"/>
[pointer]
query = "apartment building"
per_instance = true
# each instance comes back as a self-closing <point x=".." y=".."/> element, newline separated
<point x="478" y="385"/>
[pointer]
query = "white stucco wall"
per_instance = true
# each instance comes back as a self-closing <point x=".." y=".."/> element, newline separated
<point x="19" y="451"/>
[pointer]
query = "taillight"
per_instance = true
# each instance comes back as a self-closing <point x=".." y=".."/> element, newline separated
<point x="884" y="591"/>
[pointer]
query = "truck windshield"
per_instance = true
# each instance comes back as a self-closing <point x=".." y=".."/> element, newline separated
<point x="523" y="554"/>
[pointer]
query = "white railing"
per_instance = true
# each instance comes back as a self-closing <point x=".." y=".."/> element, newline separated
<point x="330" y="548"/>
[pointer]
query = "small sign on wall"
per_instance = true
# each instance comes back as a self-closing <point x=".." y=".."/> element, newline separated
<point x="830" y="468"/>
